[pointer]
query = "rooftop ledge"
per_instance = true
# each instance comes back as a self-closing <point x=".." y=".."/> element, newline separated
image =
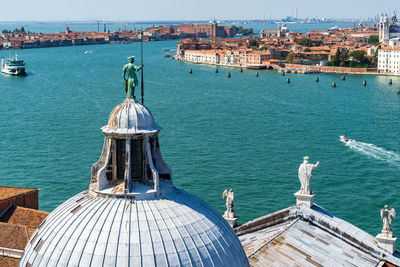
<point x="141" y="191"/>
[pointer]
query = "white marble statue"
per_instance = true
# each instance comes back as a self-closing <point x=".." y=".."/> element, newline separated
<point x="229" y="195"/>
<point x="387" y="217"/>
<point x="305" y="176"/>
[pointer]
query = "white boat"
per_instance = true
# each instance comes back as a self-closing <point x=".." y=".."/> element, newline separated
<point x="344" y="139"/>
<point x="14" y="67"/>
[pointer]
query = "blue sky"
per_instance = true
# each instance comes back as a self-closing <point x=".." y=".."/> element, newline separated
<point x="189" y="9"/>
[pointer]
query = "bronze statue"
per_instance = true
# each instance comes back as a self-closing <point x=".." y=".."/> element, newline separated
<point x="131" y="80"/>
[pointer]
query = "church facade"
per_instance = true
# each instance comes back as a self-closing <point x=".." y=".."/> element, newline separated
<point x="389" y="37"/>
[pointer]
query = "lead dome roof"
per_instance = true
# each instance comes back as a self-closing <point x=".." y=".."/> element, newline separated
<point x="177" y="229"/>
<point x="130" y="117"/>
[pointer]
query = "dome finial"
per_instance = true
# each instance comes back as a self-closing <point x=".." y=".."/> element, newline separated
<point x="130" y="78"/>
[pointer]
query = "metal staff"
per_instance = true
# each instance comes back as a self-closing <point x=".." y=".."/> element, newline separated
<point x="141" y="60"/>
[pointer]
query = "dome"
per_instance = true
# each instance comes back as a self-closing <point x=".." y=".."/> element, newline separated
<point x="174" y="229"/>
<point x="130" y="117"/>
<point x="132" y="214"/>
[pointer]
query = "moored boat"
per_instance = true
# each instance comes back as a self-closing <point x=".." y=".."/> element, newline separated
<point x="14" y="67"/>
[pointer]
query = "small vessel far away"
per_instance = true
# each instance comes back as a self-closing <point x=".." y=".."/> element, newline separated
<point x="344" y="139"/>
<point x="14" y="67"/>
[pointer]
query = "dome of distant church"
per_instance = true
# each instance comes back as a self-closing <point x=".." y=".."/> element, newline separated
<point x="132" y="214"/>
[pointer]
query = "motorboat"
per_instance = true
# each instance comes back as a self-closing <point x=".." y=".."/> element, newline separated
<point x="344" y="139"/>
<point x="13" y="67"/>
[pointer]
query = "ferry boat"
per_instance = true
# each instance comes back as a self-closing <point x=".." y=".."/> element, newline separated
<point x="14" y="67"/>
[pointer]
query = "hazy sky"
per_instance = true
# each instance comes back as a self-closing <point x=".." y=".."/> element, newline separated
<point x="189" y="9"/>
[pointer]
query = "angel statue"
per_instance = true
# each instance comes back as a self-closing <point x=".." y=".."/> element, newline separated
<point x="229" y="195"/>
<point x="387" y="217"/>
<point x="305" y="176"/>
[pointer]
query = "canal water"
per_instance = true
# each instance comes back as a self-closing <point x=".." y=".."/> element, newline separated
<point x="245" y="132"/>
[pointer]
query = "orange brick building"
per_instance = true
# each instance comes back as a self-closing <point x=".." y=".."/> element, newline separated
<point x="19" y="219"/>
<point x="207" y="30"/>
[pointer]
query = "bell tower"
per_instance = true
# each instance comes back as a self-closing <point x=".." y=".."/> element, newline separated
<point x="384" y="30"/>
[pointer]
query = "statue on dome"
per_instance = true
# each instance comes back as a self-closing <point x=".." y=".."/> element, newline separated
<point x="129" y="76"/>
<point x="305" y="176"/>
<point x="387" y="218"/>
<point x="229" y="195"/>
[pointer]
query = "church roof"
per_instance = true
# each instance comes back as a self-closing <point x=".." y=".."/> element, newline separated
<point x="177" y="229"/>
<point x="309" y="237"/>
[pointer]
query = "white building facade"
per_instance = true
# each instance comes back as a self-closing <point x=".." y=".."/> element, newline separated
<point x="202" y="56"/>
<point x="389" y="61"/>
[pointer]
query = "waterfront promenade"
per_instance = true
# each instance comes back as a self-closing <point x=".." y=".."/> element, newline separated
<point x="344" y="50"/>
<point x="20" y="39"/>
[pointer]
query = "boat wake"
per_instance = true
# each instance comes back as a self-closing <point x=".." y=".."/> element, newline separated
<point x="374" y="152"/>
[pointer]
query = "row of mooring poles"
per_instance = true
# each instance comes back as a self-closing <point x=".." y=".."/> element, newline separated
<point x="228" y="75"/>
<point x="288" y="79"/>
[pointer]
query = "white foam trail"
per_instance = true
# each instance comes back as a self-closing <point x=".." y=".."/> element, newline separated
<point x="375" y="152"/>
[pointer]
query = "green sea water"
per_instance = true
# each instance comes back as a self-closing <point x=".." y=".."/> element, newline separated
<point x="247" y="133"/>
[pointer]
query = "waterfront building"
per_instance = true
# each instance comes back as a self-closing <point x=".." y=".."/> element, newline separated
<point x="236" y="58"/>
<point x="132" y="214"/>
<point x="202" y="56"/>
<point x="389" y="60"/>
<point x="207" y="30"/>
<point x="389" y="54"/>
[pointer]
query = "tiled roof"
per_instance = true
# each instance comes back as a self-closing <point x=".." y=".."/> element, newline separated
<point x="7" y="191"/>
<point x="23" y="216"/>
<point x="305" y="236"/>
<point x="14" y="236"/>
<point x="17" y="224"/>
<point x="8" y="262"/>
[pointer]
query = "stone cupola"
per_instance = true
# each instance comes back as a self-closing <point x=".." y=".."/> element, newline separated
<point x="130" y="163"/>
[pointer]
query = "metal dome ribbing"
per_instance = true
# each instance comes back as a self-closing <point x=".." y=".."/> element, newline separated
<point x="130" y="117"/>
<point x="176" y="229"/>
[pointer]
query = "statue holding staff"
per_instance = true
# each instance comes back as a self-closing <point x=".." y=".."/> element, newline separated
<point x="305" y="176"/>
<point x="129" y="76"/>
